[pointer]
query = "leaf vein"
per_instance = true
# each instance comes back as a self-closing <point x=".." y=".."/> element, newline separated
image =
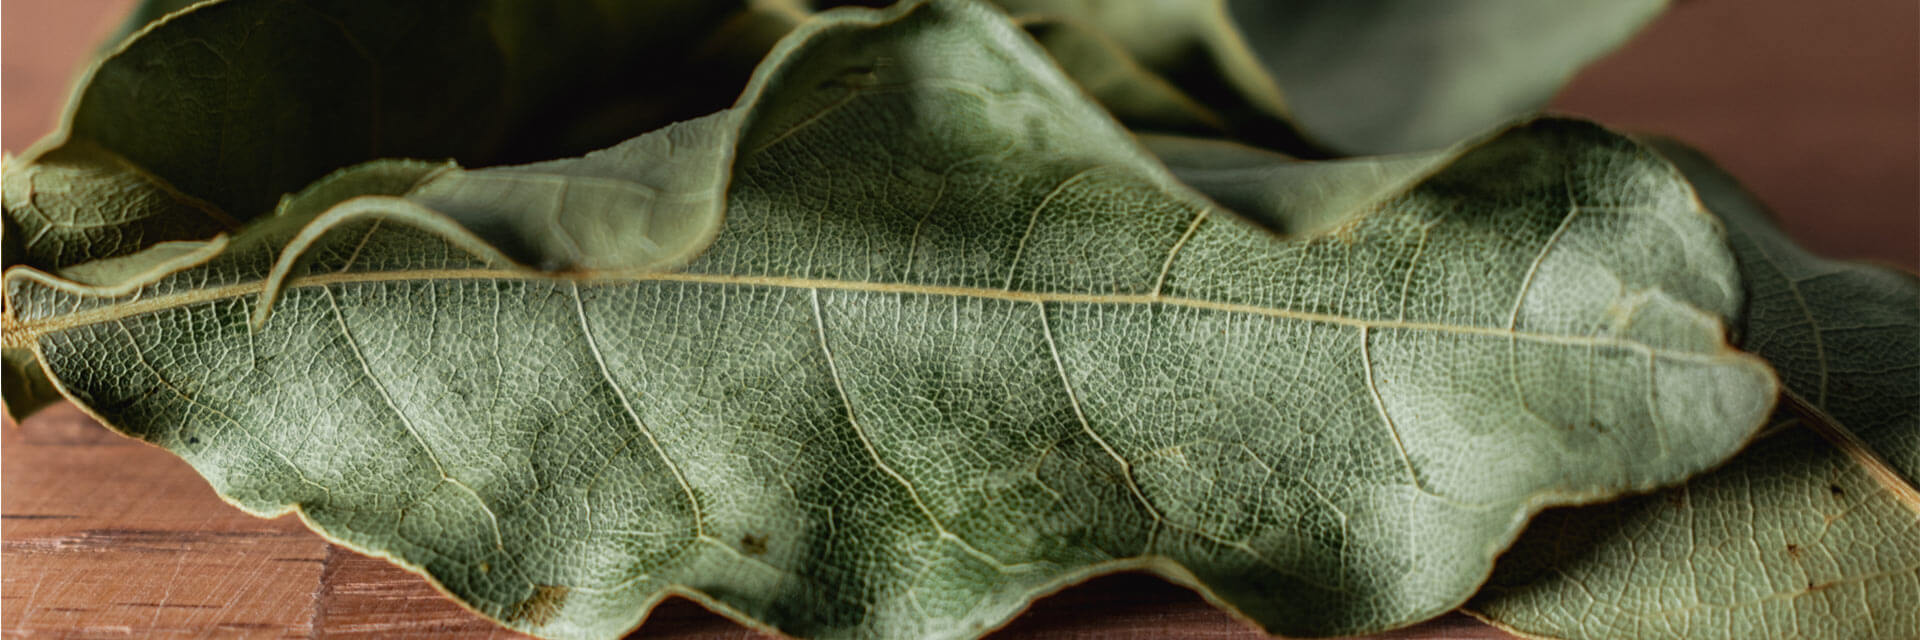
<point x="1126" y="468"/>
<point x="833" y="371"/>
<point x="353" y="346"/>
<point x="600" y="362"/>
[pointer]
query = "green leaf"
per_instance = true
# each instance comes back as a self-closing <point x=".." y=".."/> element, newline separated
<point x="208" y="115"/>
<point x="1133" y="94"/>
<point x="957" y="342"/>
<point x="1360" y="76"/>
<point x="56" y="204"/>
<point x="650" y="202"/>
<point x="1284" y="194"/>
<point x="1814" y="532"/>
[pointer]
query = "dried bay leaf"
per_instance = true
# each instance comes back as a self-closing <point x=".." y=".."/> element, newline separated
<point x="204" y="117"/>
<point x="1320" y="77"/>
<point x="1814" y="531"/>
<point x="956" y="342"/>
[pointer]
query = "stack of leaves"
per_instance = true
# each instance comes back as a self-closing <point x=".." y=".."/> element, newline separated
<point x="956" y="304"/>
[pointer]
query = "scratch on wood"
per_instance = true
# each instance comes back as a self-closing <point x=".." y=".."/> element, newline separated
<point x="168" y="605"/>
<point x="317" y="621"/>
<point x="141" y="540"/>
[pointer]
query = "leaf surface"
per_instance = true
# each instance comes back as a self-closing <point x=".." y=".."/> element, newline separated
<point x="956" y="342"/>
<point x="1814" y="532"/>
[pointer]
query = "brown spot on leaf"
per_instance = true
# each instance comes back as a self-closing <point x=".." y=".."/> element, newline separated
<point x="753" y="545"/>
<point x="540" y="608"/>
<point x="1793" y="550"/>
<point x="1835" y="490"/>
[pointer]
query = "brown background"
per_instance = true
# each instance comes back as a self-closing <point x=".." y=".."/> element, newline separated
<point x="1816" y="105"/>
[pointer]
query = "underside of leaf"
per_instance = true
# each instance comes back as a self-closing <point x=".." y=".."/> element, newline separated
<point x="956" y="342"/>
<point x="1812" y="532"/>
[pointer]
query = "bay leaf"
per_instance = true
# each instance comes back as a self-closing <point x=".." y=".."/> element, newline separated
<point x="1814" y="532"/>
<point x="1284" y="194"/>
<point x="957" y="342"/>
<point x="203" y="117"/>
<point x="1134" y="94"/>
<point x="1360" y="77"/>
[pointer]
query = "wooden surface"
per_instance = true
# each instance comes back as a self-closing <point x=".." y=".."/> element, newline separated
<point x="1815" y="106"/>
<point x="101" y="536"/>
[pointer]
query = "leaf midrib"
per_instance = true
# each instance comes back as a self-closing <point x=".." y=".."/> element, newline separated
<point x="27" y="332"/>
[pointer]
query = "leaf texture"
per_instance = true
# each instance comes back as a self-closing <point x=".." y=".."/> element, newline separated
<point x="956" y="342"/>
<point x="1814" y="532"/>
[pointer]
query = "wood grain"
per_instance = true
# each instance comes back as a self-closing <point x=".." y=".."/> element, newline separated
<point x="105" y="536"/>
<point x="101" y="536"/>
